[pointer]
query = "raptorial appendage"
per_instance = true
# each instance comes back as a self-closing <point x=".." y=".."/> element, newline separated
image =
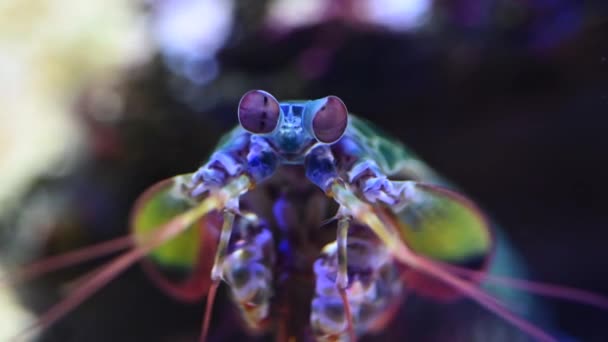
<point x="248" y="270"/>
<point x="223" y="165"/>
<point x="376" y="187"/>
<point x="373" y="291"/>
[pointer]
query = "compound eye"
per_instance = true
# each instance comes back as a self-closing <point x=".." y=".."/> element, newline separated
<point x="258" y="112"/>
<point x="329" y="122"/>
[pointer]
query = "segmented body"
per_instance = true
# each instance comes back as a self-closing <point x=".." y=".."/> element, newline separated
<point x="293" y="171"/>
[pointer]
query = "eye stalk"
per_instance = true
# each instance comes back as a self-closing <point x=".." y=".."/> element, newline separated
<point x="329" y="122"/>
<point x="259" y="112"/>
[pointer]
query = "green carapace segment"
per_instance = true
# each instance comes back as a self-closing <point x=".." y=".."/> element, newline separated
<point x="443" y="225"/>
<point x="159" y="205"/>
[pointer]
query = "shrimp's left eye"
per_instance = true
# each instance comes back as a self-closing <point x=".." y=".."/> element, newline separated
<point x="329" y="122"/>
<point x="259" y="112"/>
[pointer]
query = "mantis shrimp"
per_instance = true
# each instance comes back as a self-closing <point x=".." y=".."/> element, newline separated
<point x="259" y="216"/>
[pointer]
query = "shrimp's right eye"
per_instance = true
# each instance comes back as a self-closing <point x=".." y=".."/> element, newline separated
<point x="259" y="112"/>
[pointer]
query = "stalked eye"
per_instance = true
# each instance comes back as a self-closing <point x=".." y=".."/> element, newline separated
<point x="258" y="112"/>
<point x="330" y="120"/>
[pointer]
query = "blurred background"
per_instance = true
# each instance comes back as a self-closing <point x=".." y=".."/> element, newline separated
<point x="100" y="99"/>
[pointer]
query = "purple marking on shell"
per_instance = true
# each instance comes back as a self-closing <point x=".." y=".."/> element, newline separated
<point x="330" y="120"/>
<point x="258" y="112"/>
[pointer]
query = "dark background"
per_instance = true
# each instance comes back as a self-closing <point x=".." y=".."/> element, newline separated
<point x="513" y="111"/>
